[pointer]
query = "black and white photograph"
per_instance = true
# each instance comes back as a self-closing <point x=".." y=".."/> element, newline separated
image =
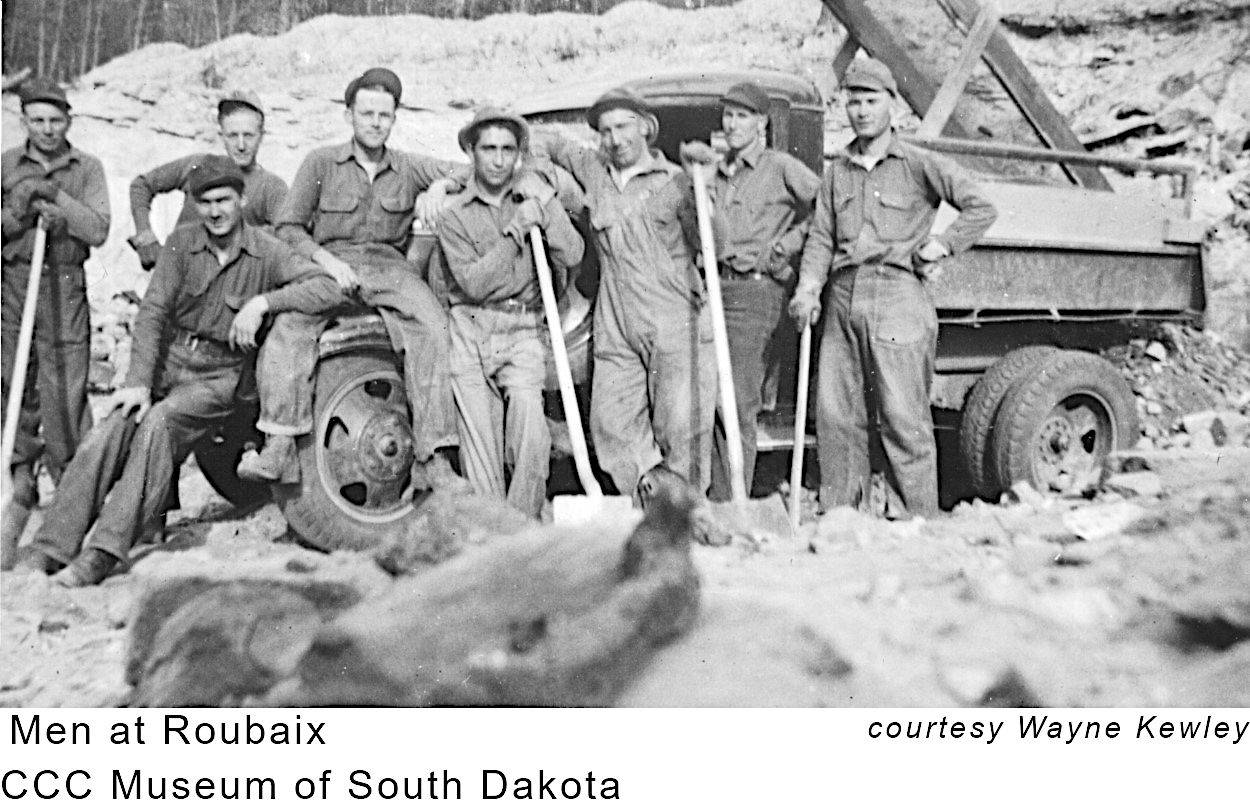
<point x="658" y="353"/>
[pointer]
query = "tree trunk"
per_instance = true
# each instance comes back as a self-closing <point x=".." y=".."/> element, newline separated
<point x="140" y="13"/>
<point x="88" y="17"/>
<point x="51" y="67"/>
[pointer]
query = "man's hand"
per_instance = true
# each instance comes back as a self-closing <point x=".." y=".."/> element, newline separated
<point x="528" y="214"/>
<point x="929" y="272"/>
<point x="927" y="257"/>
<point x="431" y="204"/>
<point x="147" y="247"/>
<point x="44" y="189"/>
<point x="696" y="151"/>
<point x="53" y="216"/>
<point x="247" y="322"/>
<point x="131" y="399"/>
<point x="338" y="269"/>
<point x="805" y="307"/>
<point x="532" y="186"/>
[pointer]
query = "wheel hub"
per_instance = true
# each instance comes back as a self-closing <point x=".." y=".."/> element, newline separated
<point x="1070" y="444"/>
<point x="385" y="448"/>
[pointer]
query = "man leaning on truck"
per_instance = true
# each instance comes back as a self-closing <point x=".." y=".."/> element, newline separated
<point x="870" y="239"/>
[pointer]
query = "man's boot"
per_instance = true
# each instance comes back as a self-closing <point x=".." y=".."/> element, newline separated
<point x="31" y="559"/>
<point x="437" y="474"/>
<point x="277" y="462"/>
<point x="88" y="568"/>
<point x="16" y="514"/>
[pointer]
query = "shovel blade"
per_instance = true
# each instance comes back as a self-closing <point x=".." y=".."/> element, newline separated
<point x="756" y="519"/>
<point x="580" y="509"/>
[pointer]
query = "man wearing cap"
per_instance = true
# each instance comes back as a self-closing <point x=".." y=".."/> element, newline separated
<point x="241" y="119"/>
<point x="498" y="357"/>
<point x="870" y="239"/>
<point x="763" y="199"/>
<point x="654" y="385"/>
<point x="351" y="210"/>
<point x="49" y="178"/>
<point x="213" y="284"/>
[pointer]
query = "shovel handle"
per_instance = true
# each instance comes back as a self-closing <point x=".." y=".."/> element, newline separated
<point x="800" y="425"/>
<point x="720" y="338"/>
<point x="564" y="373"/>
<point x="13" y="407"/>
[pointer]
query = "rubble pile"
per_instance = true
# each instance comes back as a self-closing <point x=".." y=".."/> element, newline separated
<point x="1192" y="388"/>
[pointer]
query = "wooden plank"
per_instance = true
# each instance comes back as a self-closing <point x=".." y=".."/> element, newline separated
<point x="915" y="87"/>
<point x="842" y="59"/>
<point x="953" y="86"/>
<point x="1030" y="99"/>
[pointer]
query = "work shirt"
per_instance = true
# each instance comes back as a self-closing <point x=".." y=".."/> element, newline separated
<point x="264" y="190"/>
<point x="486" y="265"/>
<point x="763" y="198"/>
<point x="644" y="223"/>
<point x="882" y="215"/>
<point x="193" y="292"/>
<point x="84" y="200"/>
<point x="333" y="204"/>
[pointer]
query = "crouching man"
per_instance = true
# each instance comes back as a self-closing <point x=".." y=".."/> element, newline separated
<point x="211" y="288"/>
<point x="498" y="358"/>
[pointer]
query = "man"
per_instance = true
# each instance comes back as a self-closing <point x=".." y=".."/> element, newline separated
<point x="241" y="119"/>
<point x="498" y="356"/>
<point x="212" y="286"/>
<point x="870" y="237"/>
<point x="763" y="201"/>
<point x="654" y="384"/>
<point x="351" y="210"/>
<point x="49" y="178"/>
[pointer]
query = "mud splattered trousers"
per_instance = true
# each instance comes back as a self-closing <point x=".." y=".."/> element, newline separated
<point x="874" y="374"/>
<point x="418" y="329"/>
<point x="55" y="396"/>
<point x="498" y="367"/>
<point x="119" y="482"/>
<point x="653" y="395"/>
<point x="753" y="305"/>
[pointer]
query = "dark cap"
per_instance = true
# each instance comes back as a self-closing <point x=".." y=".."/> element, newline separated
<point x="869" y="74"/>
<point x="214" y="172"/>
<point x="43" y="90"/>
<point x="375" y="77"/>
<point x="747" y="94"/>
<point x="622" y="98"/>
<point x="239" y="98"/>
<point x="497" y="116"/>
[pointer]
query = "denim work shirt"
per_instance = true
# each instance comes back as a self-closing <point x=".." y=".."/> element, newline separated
<point x="84" y="199"/>
<point x="264" y="190"/>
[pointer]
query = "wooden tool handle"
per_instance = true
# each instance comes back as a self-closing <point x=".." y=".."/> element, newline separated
<point x="800" y="425"/>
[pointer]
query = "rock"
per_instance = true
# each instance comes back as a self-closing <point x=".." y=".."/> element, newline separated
<point x="1191" y="107"/>
<point x="1093" y="522"/>
<point x="1196" y="422"/>
<point x="1203" y="440"/>
<point x="1026" y="494"/>
<point x="1230" y="428"/>
<point x="1155" y="350"/>
<point x="1010" y="690"/>
<point x="552" y="617"/>
<point x="1136" y="484"/>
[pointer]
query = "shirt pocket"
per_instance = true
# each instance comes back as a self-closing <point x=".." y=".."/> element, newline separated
<point x="396" y="217"/>
<point x="335" y="213"/>
<point x="897" y="215"/>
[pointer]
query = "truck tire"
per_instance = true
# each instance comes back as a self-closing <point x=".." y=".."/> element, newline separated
<point x="355" y="466"/>
<point x="976" y="423"/>
<point x="1056" y="428"/>
<point x="218" y="456"/>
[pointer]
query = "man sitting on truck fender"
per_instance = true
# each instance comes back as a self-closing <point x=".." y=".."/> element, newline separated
<point x="498" y="356"/>
<point x="870" y="237"/>
<point x="351" y="210"/>
<point x="764" y="200"/>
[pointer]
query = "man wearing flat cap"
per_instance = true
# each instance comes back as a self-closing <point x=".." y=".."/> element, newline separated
<point x="654" y="384"/>
<point x="211" y="287"/>
<point x="871" y="241"/>
<point x="351" y="210"/>
<point x="763" y="199"/>
<point x="241" y="119"/>
<point x="47" y="177"/>
<point x="498" y="356"/>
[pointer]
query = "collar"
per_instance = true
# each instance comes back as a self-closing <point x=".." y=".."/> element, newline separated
<point x="245" y="242"/>
<point x="70" y="155"/>
<point x="893" y="148"/>
<point x="751" y="156"/>
<point x="473" y="193"/>
<point x="348" y="152"/>
<point x="653" y="162"/>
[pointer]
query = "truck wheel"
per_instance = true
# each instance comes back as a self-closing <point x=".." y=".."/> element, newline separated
<point x="218" y="456"/>
<point x="976" y="422"/>
<point x="355" y="467"/>
<point x="1055" y="429"/>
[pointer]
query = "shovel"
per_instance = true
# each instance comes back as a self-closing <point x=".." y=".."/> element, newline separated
<point x="13" y="407"/>
<point x="800" y="426"/>
<point x="570" y="508"/>
<point x="740" y="516"/>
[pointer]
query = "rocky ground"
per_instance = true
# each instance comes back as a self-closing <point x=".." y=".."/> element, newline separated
<point x="1134" y="597"/>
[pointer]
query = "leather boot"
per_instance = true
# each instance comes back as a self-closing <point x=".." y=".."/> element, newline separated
<point x="274" y="463"/>
<point x="16" y="514"/>
<point x="88" y="568"/>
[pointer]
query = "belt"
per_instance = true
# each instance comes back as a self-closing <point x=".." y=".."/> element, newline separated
<point x="205" y="345"/>
<point x="511" y="306"/>
<point x="729" y="273"/>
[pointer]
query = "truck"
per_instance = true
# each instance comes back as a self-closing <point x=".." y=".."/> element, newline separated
<point x="1021" y="394"/>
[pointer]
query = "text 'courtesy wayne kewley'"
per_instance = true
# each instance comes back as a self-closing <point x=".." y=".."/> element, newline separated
<point x="1149" y="727"/>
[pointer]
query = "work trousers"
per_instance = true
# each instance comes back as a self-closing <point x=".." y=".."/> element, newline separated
<point x="498" y="367"/>
<point x="418" y="328"/>
<point x="120" y="479"/>
<point x="752" y="315"/>
<point x="874" y="375"/>
<point x="653" y="395"/>
<point x="55" y="396"/>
